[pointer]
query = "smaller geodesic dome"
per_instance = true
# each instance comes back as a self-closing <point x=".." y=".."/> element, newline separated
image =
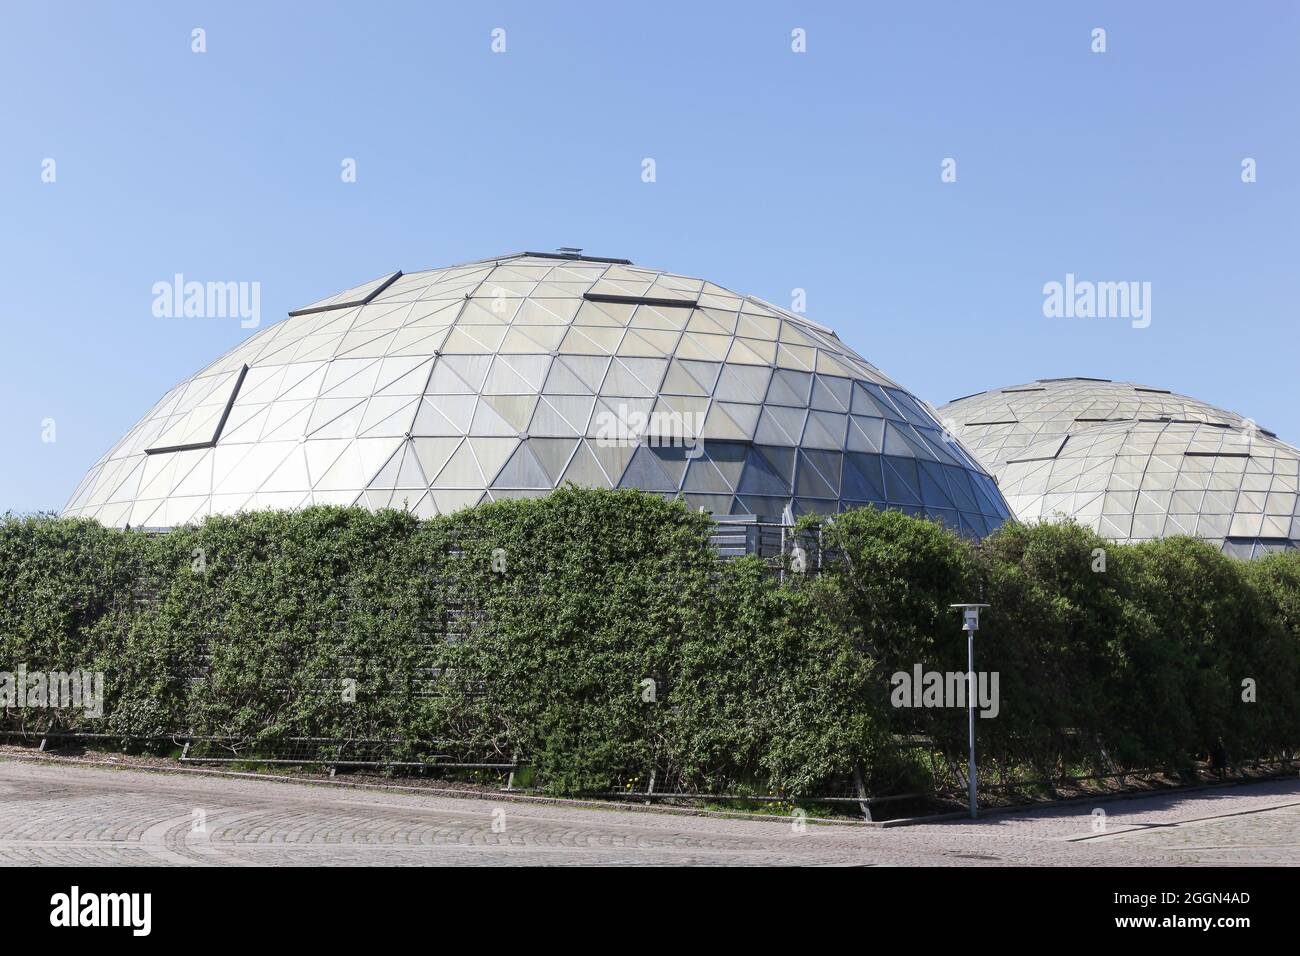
<point x="1000" y="423"/>
<point x="1134" y="462"/>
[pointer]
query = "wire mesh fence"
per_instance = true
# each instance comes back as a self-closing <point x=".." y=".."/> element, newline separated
<point x="329" y="753"/>
<point x="942" y="786"/>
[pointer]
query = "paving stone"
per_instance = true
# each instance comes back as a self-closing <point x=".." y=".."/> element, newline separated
<point x="77" y="815"/>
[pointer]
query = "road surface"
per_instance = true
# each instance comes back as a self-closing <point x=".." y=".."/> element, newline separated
<point x="60" y="812"/>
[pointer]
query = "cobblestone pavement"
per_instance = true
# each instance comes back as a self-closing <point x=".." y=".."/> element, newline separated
<point x="64" y="813"/>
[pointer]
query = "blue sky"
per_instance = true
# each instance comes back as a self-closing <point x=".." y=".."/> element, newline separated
<point x="775" y="171"/>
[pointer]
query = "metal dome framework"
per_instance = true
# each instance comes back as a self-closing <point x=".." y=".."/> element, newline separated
<point x="1134" y="462"/>
<point x="508" y="377"/>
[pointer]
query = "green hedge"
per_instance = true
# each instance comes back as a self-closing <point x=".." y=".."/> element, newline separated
<point x="597" y="636"/>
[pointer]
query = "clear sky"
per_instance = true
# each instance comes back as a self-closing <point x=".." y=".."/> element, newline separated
<point x="775" y="170"/>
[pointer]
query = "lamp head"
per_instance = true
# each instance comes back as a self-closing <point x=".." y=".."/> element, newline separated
<point x="970" y="614"/>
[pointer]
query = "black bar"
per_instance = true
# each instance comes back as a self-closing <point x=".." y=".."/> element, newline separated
<point x="641" y="300"/>
<point x="348" y="305"/>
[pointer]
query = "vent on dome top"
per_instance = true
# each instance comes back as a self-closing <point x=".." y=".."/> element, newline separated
<point x="362" y="296"/>
<point x="1043" y="451"/>
<point x="562" y="254"/>
<point x="196" y="429"/>
<point x="641" y="300"/>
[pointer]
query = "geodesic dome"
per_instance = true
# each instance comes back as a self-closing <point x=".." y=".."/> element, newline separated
<point x="508" y="377"/>
<point x="1134" y="462"/>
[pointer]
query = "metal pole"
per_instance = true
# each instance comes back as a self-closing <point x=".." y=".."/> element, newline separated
<point x="970" y="709"/>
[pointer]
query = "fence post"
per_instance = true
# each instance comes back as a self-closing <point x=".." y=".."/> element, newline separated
<point x="863" y="803"/>
<point x="781" y="572"/>
<point x="1122" y="778"/>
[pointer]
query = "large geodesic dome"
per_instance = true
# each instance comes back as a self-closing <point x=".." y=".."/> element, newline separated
<point x="1134" y="462"/>
<point x="508" y="377"/>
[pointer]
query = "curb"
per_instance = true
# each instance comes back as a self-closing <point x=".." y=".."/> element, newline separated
<point x="1077" y="801"/>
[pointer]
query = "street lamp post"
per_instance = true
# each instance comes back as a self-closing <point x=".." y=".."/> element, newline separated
<point x="970" y="614"/>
